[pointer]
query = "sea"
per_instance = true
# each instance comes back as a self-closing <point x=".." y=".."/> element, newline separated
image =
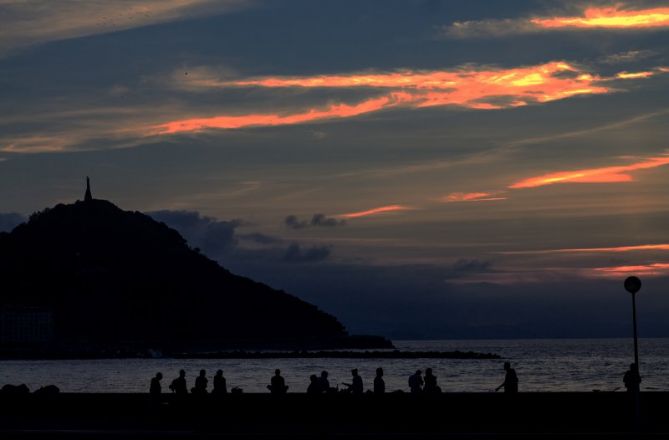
<point x="541" y="364"/>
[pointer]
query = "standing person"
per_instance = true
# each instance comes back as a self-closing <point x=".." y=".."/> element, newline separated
<point x="632" y="379"/>
<point x="510" y="383"/>
<point x="314" y="385"/>
<point x="220" y="384"/>
<point x="356" y="386"/>
<point x="431" y="382"/>
<point x="278" y="384"/>
<point x="178" y="385"/>
<point x="200" y="383"/>
<point x="155" y="389"/>
<point x="379" y="383"/>
<point x="416" y="382"/>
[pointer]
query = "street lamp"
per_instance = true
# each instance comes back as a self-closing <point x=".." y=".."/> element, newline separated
<point x="633" y="285"/>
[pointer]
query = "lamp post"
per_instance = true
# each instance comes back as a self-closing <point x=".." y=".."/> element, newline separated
<point x="633" y="285"/>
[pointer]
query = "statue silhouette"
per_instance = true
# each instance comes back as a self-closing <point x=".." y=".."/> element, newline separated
<point x="88" y="196"/>
<point x="278" y="384"/>
<point x="510" y="383"/>
<point x="178" y="385"/>
<point x="201" y="382"/>
<point x="155" y="388"/>
<point x="416" y="382"/>
<point x="379" y="383"/>
<point x="220" y="384"/>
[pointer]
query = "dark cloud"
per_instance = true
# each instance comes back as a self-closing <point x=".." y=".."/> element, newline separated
<point x="214" y="237"/>
<point x="260" y="238"/>
<point x="426" y="301"/>
<point x="220" y="240"/>
<point x="409" y="301"/>
<point x="297" y="254"/>
<point x="317" y="220"/>
<point x="465" y="266"/>
<point x="627" y="57"/>
<point x="323" y="220"/>
<point x="293" y="222"/>
<point x="10" y="220"/>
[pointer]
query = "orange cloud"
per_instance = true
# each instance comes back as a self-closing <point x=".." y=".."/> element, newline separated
<point x="613" y="174"/>
<point x="273" y="119"/>
<point x="464" y="87"/>
<point x="634" y="75"/>
<point x="609" y="18"/>
<point x="481" y="89"/>
<point x="652" y="269"/>
<point x="470" y="197"/>
<point x="375" y="211"/>
<point x="595" y="250"/>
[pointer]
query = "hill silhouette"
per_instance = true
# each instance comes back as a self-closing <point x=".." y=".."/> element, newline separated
<point x="115" y="279"/>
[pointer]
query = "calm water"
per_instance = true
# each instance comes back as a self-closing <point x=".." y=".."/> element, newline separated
<point x="542" y="365"/>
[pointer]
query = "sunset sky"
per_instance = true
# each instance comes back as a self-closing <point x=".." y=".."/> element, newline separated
<point x="419" y="168"/>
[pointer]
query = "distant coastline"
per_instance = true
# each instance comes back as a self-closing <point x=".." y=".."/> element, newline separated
<point x="242" y="354"/>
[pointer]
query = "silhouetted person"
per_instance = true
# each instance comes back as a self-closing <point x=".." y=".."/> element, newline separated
<point x="324" y="383"/>
<point x="355" y="387"/>
<point x="431" y="382"/>
<point x="278" y="384"/>
<point x="178" y="385"/>
<point x="379" y="383"/>
<point x="314" y="385"/>
<point x="416" y="382"/>
<point x="510" y="383"/>
<point x="201" y="382"/>
<point x="220" y="385"/>
<point x="632" y="379"/>
<point x="155" y="389"/>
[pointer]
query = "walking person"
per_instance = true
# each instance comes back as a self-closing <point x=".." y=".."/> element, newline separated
<point x="510" y="383"/>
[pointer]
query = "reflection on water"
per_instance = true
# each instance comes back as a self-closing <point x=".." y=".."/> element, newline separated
<point x="542" y="365"/>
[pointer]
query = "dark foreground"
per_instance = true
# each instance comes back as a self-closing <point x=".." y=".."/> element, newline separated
<point x="466" y="416"/>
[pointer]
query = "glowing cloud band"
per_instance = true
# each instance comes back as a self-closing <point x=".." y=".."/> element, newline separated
<point x="376" y="211"/>
<point x="269" y="119"/>
<point x="592" y="175"/>
<point x="471" y="197"/>
<point x="482" y="89"/>
<point x="652" y="269"/>
<point x="612" y="18"/>
<point x="595" y="250"/>
<point x="609" y="17"/>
